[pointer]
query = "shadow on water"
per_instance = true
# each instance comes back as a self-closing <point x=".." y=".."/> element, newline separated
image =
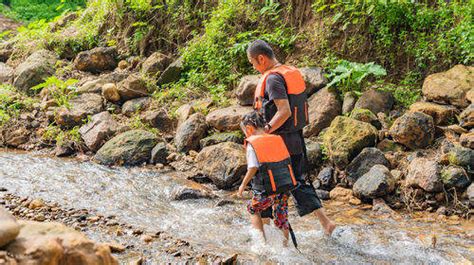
<point x="142" y="197"/>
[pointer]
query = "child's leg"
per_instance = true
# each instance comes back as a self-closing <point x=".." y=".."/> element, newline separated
<point x="255" y="206"/>
<point x="257" y="223"/>
<point x="280" y="215"/>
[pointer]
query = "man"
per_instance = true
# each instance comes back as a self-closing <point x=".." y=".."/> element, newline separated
<point x="281" y="98"/>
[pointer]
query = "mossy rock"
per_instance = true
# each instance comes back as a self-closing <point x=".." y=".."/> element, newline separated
<point x="454" y="176"/>
<point x="366" y="115"/>
<point x="462" y="156"/>
<point x="346" y="137"/>
<point x="217" y="138"/>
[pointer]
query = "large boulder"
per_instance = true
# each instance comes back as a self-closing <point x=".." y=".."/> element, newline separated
<point x="366" y="115"/>
<point x="96" y="60"/>
<point x="363" y="162"/>
<point x="14" y="137"/>
<point x="172" y="73"/>
<point x="246" y="89"/>
<point x="221" y="137"/>
<point x="454" y="176"/>
<point x="54" y="243"/>
<point x="449" y="87"/>
<point x="184" y="112"/>
<point x="190" y="132"/>
<point x="377" y="182"/>
<point x="346" y="138"/>
<point x="9" y="228"/>
<point x="128" y="148"/>
<point x="132" y="87"/>
<point x="159" y="153"/>
<point x="424" y="173"/>
<point x="81" y="106"/>
<point x="155" y="64"/>
<point x="101" y="128"/>
<point x="314" y="79"/>
<point x="323" y="107"/>
<point x="227" y="119"/>
<point x="326" y="178"/>
<point x="413" y="129"/>
<point x="132" y="106"/>
<point x="467" y="117"/>
<point x="224" y="163"/>
<point x="6" y="73"/>
<point x="376" y="101"/>
<point x="34" y="70"/>
<point x="442" y="114"/>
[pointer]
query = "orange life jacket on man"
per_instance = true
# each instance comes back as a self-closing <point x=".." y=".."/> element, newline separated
<point x="275" y="174"/>
<point x="295" y="89"/>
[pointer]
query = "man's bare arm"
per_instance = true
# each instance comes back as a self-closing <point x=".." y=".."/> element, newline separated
<point x="282" y="114"/>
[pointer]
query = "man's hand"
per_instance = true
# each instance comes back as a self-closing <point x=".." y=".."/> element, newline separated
<point x="241" y="191"/>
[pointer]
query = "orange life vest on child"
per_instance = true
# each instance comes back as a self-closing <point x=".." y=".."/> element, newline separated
<point x="295" y="89"/>
<point x="275" y="174"/>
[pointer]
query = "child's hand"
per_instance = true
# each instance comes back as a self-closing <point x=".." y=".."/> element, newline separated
<point x="241" y="191"/>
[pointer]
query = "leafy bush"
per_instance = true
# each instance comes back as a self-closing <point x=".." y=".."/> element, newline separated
<point x="61" y="91"/>
<point x="31" y="10"/>
<point x="12" y="103"/>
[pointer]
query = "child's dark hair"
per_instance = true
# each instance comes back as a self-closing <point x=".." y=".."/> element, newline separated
<point x="254" y="119"/>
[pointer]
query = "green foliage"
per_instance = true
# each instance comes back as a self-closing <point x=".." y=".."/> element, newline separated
<point x="349" y="76"/>
<point x="12" y="103"/>
<point x="135" y="122"/>
<point x="55" y="134"/>
<point x="31" y="10"/>
<point x="405" y="95"/>
<point x="61" y="91"/>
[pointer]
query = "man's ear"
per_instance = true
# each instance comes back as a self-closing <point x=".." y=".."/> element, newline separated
<point x="261" y="59"/>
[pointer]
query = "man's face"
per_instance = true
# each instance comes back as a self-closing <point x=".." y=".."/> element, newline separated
<point x="258" y="63"/>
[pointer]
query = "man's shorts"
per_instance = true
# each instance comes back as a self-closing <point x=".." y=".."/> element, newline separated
<point x="306" y="200"/>
<point x="279" y="203"/>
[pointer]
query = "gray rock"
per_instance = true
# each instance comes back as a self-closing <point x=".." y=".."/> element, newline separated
<point x="100" y="129"/>
<point x="190" y="133"/>
<point x="9" y="228"/>
<point x="129" y="148"/>
<point x="246" y="89"/>
<point x="218" y="138"/>
<point x="132" y="87"/>
<point x="413" y="129"/>
<point x="470" y="194"/>
<point x="377" y="182"/>
<point x="188" y="193"/>
<point x="184" y="112"/>
<point x="314" y="79"/>
<point x="424" y="173"/>
<point x="376" y="101"/>
<point x="323" y="194"/>
<point x="461" y="156"/>
<point x="172" y="73"/>
<point x="6" y="73"/>
<point x="363" y="162"/>
<point x="96" y="60"/>
<point x="323" y="107"/>
<point x="227" y="119"/>
<point x="349" y="102"/>
<point x="315" y="156"/>
<point x="326" y="178"/>
<point x="81" y="106"/>
<point x="132" y="106"/>
<point x="159" y="153"/>
<point x="34" y="70"/>
<point x="92" y="86"/>
<point x="158" y="119"/>
<point x="456" y="177"/>
<point x="155" y="64"/>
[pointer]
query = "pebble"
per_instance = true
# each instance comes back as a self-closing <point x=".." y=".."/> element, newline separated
<point x="116" y="247"/>
<point x="146" y="238"/>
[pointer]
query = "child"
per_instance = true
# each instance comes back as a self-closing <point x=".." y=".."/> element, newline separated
<point x="269" y="168"/>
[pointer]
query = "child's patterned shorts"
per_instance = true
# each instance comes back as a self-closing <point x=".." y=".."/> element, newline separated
<point x="279" y="203"/>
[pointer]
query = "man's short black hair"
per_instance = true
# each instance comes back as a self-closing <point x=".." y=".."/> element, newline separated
<point x="260" y="47"/>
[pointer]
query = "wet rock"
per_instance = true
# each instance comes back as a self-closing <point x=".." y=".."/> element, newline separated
<point x="172" y="73"/>
<point x="470" y="194"/>
<point x="375" y="101"/>
<point x="380" y="207"/>
<point x="6" y="73"/>
<point x="323" y="107"/>
<point x="100" y="129"/>
<point x="158" y="119"/>
<point x="456" y="177"/>
<point x="191" y="193"/>
<point x="377" y="182"/>
<point x="155" y="64"/>
<point x="314" y="79"/>
<point x="442" y="114"/>
<point x="224" y="202"/>
<point x="227" y="119"/>
<point x="413" y="129"/>
<point x="449" y="87"/>
<point x="467" y="140"/>
<point x="190" y="132"/>
<point x="110" y="92"/>
<point x="34" y="70"/>
<point x="346" y="137"/>
<point x="387" y="145"/>
<point x="116" y="247"/>
<point x="159" y="153"/>
<point x="341" y="194"/>
<point x="366" y="115"/>
<point x="128" y="148"/>
<point x="246" y="89"/>
<point x="96" y="60"/>
<point x="323" y="194"/>
<point x="349" y="102"/>
<point x="54" y="243"/>
<point x="326" y="179"/>
<point x="467" y="117"/>
<point x="81" y="106"/>
<point x="315" y="156"/>
<point x="132" y="106"/>
<point x="461" y="156"/>
<point x="218" y="138"/>
<point x="184" y="112"/>
<point x="224" y="163"/>
<point x="424" y="173"/>
<point x="363" y="162"/>
<point x="132" y="87"/>
<point x="9" y="228"/>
